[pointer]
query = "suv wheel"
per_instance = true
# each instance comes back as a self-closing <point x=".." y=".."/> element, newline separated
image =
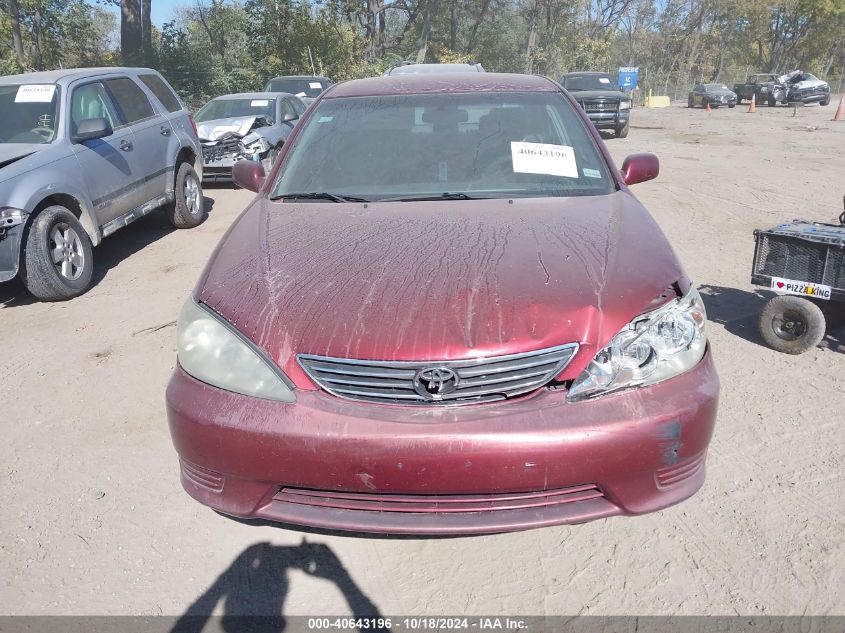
<point x="57" y="262"/>
<point x="825" y="101"/>
<point x="622" y="132"/>
<point x="188" y="208"/>
<point x="738" y="99"/>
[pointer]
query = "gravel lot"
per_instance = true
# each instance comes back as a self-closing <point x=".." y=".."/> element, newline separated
<point x="94" y="520"/>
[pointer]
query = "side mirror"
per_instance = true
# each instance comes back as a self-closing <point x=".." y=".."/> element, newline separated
<point x="92" y="128"/>
<point x="639" y="168"/>
<point x="248" y="174"/>
<point x="287" y="117"/>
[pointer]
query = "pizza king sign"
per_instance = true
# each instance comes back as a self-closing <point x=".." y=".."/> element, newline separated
<point x="800" y="288"/>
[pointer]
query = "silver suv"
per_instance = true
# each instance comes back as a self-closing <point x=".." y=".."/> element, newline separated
<point x="84" y="152"/>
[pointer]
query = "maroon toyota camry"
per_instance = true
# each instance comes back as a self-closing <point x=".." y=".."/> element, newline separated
<point x="443" y="313"/>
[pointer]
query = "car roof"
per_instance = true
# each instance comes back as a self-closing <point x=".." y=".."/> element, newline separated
<point x="315" y="77"/>
<point x="436" y="68"/>
<point x="68" y="74"/>
<point x="253" y="95"/>
<point x="440" y="83"/>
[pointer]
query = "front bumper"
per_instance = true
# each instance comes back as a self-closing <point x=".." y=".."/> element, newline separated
<point x="336" y="464"/>
<point x="816" y="97"/>
<point x="609" y="120"/>
<point x="10" y="251"/>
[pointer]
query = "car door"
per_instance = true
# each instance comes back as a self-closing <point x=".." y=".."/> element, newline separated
<point x="108" y="166"/>
<point x="152" y="134"/>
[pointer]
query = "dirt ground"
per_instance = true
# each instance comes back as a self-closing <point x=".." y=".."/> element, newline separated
<point x="94" y="520"/>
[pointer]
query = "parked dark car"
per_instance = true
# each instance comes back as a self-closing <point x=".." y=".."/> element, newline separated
<point x="84" y="152"/>
<point x="245" y="126"/>
<point x="764" y="87"/>
<point x="409" y="68"/>
<point x="444" y="312"/>
<point x="714" y="95"/>
<point x="306" y="87"/>
<point x="607" y="107"/>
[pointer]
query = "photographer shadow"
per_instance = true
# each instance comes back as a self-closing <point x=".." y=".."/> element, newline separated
<point x="254" y="587"/>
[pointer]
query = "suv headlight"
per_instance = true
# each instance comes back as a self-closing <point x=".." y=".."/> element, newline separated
<point x="624" y="105"/>
<point x="653" y="347"/>
<point x="211" y="350"/>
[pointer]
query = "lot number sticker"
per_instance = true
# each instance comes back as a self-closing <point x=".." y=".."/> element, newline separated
<point x="541" y="158"/>
<point x="801" y="288"/>
<point x="315" y="85"/>
<point x="37" y="93"/>
<point x="257" y="103"/>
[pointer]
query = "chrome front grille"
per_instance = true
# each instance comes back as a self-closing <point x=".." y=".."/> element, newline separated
<point x="438" y="383"/>
<point x="601" y="106"/>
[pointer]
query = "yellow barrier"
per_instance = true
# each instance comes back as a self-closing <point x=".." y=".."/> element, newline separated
<point x="656" y="102"/>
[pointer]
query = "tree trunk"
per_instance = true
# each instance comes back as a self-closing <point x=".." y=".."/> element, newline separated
<point x="485" y="4"/>
<point x="453" y="25"/>
<point x="37" y="41"/>
<point x="17" y="42"/>
<point x="147" y="32"/>
<point x="130" y="31"/>
<point x="532" y="38"/>
<point x="425" y="34"/>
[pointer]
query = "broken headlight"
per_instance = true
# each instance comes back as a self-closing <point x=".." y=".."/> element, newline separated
<point x="255" y="145"/>
<point x="211" y="350"/>
<point x="653" y="347"/>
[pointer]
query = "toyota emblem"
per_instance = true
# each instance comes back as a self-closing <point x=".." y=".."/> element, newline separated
<point x="433" y="383"/>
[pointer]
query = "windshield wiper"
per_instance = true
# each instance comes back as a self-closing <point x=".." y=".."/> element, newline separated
<point x="319" y="195"/>
<point x="448" y="195"/>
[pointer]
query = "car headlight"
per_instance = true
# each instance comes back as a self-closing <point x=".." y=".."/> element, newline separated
<point x="256" y="145"/>
<point x="653" y="347"/>
<point x="211" y="350"/>
<point x="624" y="105"/>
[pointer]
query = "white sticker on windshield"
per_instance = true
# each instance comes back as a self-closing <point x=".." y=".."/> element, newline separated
<point x="541" y="158"/>
<point x="300" y="94"/>
<point x="325" y="119"/>
<point x="315" y="85"/>
<point x="38" y="93"/>
<point x="258" y="103"/>
<point x="591" y="173"/>
<point x="604" y="80"/>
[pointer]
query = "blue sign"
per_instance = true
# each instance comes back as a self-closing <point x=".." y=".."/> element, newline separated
<point x="628" y="78"/>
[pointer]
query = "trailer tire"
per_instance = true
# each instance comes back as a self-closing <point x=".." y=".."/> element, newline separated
<point x="792" y="325"/>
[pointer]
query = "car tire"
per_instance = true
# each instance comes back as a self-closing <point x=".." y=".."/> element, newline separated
<point x="792" y="325"/>
<point x="733" y="105"/>
<point x="188" y="207"/>
<point x="690" y="104"/>
<point x="57" y="262"/>
<point x="825" y="102"/>
<point x="622" y="132"/>
<point x="772" y="101"/>
<point x="738" y="100"/>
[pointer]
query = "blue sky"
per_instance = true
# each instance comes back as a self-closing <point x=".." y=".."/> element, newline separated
<point x="162" y="10"/>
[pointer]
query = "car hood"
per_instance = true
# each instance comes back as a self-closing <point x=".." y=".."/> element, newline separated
<point x="613" y="95"/>
<point x="721" y="93"/>
<point x="811" y="83"/>
<point x="438" y="280"/>
<point x="215" y="129"/>
<point x="13" y="152"/>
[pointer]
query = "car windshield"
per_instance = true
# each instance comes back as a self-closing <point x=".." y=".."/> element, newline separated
<point x="227" y="108"/>
<point x="479" y="145"/>
<point x="716" y="87"/>
<point x="587" y="82"/>
<point x="29" y="113"/>
<point x="300" y="87"/>
<point x="809" y="77"/>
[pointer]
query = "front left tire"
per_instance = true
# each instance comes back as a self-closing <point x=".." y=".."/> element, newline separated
<point x="57" y="263"/>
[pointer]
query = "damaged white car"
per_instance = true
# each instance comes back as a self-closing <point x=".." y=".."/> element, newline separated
<point x="805" y="88"/>
<point x="244" y="126"/>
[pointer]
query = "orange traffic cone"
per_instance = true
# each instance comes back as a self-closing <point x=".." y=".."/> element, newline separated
<point x="752" y="107"/>
<point x="707" y="109"/>
<point x="840" y="111"/>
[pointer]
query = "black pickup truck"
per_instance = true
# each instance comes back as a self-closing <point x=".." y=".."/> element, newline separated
<point x="606" y="105"/>
<point x="766" y="87"/>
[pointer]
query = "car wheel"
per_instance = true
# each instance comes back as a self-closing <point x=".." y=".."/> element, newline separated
<point x="733" y="105"/>
<point x="57" y="262"/>
<point x="791" y="325"/>
<point x="622" y="132"/>
<point x="772" y="101"/>
<point x="738" y="100"/>
<point x="188" y="208"/>
<point x="690" y="103"/>
<point x="825" y="101"/>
